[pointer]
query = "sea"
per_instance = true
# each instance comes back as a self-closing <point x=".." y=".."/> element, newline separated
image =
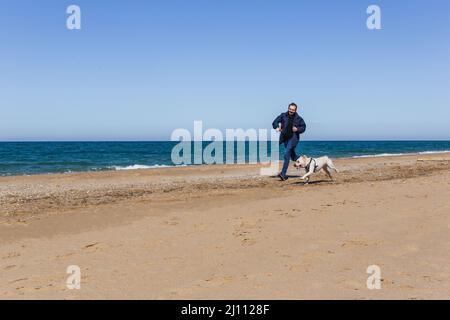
<point x="29" y="158"/>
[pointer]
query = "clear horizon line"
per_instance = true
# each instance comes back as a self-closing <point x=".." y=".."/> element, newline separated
<point x="177" y="141"/>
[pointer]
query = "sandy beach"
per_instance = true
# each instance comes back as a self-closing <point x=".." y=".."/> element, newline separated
<point x="225" y="232"/>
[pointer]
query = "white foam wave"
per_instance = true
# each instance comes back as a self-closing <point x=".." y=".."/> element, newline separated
<point x="380" y="155"/>
<point x="399" y="154"/>
<point x="431" y="152"/>
<point x="141" y="166"/>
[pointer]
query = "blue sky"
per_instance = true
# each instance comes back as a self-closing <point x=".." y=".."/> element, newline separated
<point x="137" y="70"/>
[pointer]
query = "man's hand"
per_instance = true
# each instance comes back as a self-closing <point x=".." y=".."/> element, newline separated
<point x="278" y="129"/>
<point x="295" y="129"/>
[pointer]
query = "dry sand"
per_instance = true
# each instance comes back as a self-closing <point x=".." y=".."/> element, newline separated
<point x="224" y="232"/>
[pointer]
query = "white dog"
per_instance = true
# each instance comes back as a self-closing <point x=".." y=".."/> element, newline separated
<point x="313" y="165"/>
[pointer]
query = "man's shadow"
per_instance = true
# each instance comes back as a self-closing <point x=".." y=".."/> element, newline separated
<point x="289" y="176"/>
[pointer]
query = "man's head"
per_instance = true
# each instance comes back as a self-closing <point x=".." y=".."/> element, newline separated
<point x="292" y="108"/>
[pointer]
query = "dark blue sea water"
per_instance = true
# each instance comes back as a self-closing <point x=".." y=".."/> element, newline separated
<point x="19" y="158"/>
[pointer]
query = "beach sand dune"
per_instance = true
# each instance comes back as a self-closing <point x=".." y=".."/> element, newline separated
<point x="225" y="232"/>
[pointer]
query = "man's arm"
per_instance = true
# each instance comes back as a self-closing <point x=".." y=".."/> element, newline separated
<point x="300" y="125"/>
<point x="276" y="122"/>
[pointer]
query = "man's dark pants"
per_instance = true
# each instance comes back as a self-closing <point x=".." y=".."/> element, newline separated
<point x="289" y="153"/>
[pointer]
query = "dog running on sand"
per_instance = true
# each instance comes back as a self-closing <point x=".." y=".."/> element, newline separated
<point x="313" y="165"/>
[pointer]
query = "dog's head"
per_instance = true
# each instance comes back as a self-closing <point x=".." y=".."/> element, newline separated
<point x="301" y="162"/>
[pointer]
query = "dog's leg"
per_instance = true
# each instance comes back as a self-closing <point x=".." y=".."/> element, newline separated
<point x="306" y="176"/>
<point x="328" y="172"/>
<point x="331" y="165"/>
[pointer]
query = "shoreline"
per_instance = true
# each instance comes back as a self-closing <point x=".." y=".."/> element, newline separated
<point x="157" y="167"/>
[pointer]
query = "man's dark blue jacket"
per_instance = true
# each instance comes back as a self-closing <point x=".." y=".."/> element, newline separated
<point x="298" y="122"/>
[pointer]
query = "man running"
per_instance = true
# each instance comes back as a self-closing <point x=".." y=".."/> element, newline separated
<point x="290" y="125"/>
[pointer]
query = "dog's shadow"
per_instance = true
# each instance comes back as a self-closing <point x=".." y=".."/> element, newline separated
<point x="315" y="182"/>
<point x="304" y="183"/>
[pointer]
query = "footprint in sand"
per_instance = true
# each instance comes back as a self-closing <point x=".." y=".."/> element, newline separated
<point x="11" y="255"/>
<point x="172" y="222"/>
<point x="91" y="245"/>
<point x="298" y="268"/>
<point x="245" y="228"/>
<point x="287" y="215"/>
<point x="218" y="280"/>
<point x="18" y="280"/>
<point x="248" y="242"/>
<point x="200" y="226"/>
<point x="10" y="267"/>
<point x="360" y="243"/>
<point x="62" y="256"/>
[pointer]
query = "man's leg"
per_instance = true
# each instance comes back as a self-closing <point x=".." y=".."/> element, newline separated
<point x="293" y="154"/>
<point x="287" y="155"/>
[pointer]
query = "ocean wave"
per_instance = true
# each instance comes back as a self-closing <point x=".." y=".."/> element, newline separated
<point x="141" y="166"/>
<point x="399" y="154"/>
<point x="380" y="155"/>
<point x="431" y="152"/>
